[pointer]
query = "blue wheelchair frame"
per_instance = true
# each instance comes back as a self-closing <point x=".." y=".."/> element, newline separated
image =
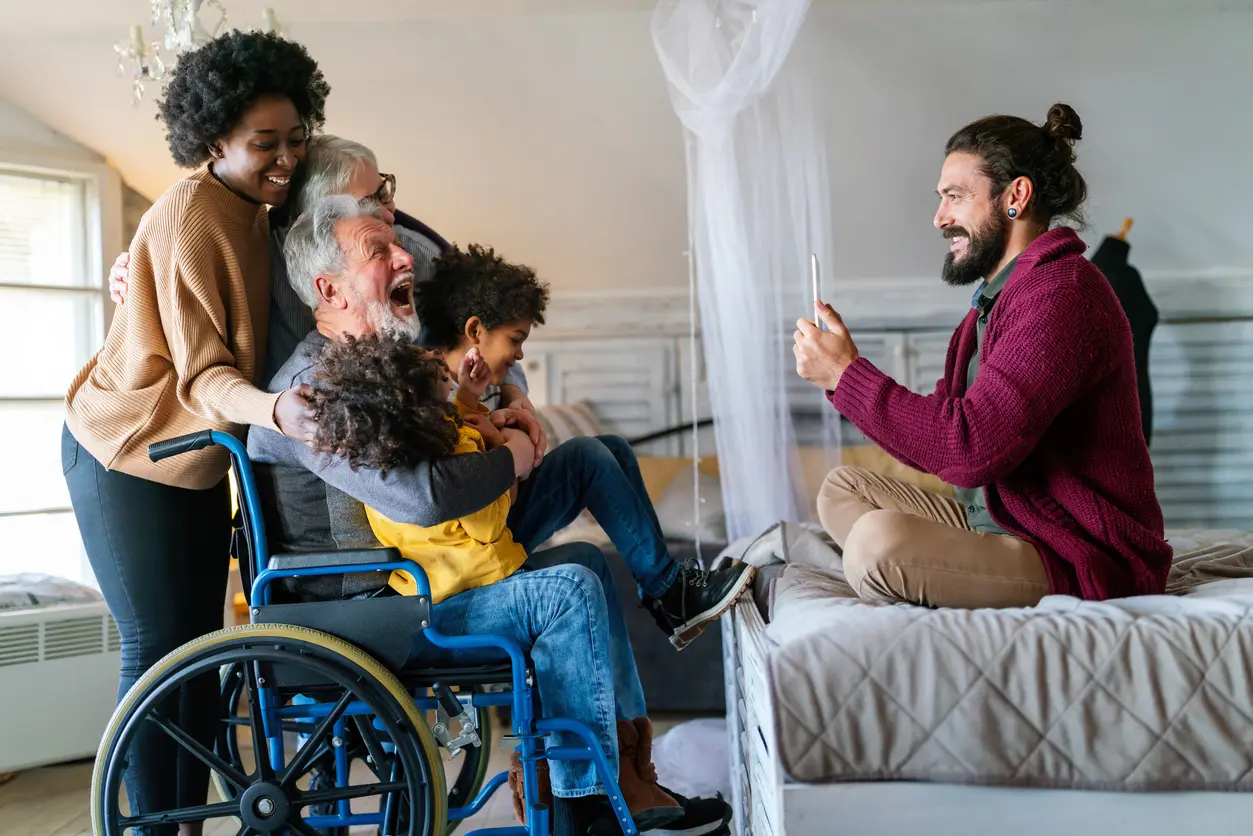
<point x="527" y="729"/>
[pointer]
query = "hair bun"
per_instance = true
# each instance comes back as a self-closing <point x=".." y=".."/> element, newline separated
<point x="1064" y="123"/>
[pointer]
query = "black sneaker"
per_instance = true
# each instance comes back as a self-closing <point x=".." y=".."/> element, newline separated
<point x="697" y="597"/>
<point x="592" y="816"/>
<point x="701" y="817"/>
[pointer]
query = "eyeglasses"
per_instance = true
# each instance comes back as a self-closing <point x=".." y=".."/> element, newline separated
<point x="386" y="190"/>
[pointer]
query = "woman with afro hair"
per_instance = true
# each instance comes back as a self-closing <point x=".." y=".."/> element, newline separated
<point x="182" y="355"/>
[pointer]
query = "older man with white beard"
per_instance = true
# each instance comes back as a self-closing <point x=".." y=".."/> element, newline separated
<point x="346" y="266"/>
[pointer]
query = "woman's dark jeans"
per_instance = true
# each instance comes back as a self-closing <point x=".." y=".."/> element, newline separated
<point x="161" y="556"/>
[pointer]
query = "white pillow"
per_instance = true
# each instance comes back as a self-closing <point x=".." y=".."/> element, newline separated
<point x="677" y="510"/>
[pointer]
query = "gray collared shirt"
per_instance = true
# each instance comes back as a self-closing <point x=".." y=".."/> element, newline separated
<point x="975" y="500"/>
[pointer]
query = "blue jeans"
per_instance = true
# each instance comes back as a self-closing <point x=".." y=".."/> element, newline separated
<point x="563" y="609"/>
<point x="602" y="475"/>
<point x="161" y="556"/>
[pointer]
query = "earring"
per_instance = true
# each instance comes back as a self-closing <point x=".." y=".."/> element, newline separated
<point x="1013" y="213"/>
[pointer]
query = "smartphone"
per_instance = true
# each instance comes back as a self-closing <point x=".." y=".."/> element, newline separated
<point x="816" y="280"/>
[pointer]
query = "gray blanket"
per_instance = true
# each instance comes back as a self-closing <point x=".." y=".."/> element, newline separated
<point x="1145" y="693"/>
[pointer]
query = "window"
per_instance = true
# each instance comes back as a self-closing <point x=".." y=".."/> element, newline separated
<point x="51" y="322"/>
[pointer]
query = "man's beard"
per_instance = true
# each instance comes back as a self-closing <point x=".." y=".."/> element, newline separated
<point x="984" y="250"/>
<point x="379" y="316"/>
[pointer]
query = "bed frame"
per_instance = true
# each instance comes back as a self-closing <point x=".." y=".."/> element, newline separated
<point x="767" y="803"/>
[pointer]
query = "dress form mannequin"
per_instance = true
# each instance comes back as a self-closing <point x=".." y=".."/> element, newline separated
<point x="1111" y="259"/>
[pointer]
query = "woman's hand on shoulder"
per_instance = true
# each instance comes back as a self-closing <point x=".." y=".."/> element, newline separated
<point x="293" y="415"/>
<point x="119" y="277"/>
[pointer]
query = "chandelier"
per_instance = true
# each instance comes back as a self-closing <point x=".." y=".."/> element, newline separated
<point x="143" y="61"/>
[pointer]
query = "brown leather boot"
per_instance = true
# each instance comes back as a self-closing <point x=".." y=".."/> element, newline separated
<point x="650" y="806"/>
<point x="644" y="752"/>
<point x="518" y="789"/>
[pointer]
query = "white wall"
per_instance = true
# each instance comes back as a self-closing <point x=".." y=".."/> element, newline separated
<point x="548" y="137"/>
<point x="550" y="134"/>
<point x="1163" y="94"/>
<point x="22" y="133"/>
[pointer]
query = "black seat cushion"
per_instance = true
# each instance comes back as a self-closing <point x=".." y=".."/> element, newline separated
<point x="317" y="560"/>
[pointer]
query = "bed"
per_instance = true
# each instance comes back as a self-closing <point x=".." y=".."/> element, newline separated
<point x="59" y="660"/>
<point x="851" y="717"/>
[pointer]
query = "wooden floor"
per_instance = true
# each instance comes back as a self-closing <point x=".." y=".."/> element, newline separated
<point x="53" y="802"/>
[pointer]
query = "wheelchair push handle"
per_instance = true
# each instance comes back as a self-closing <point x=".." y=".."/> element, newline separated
<point x="247" y="485"/>
<point x="183" y="444"/>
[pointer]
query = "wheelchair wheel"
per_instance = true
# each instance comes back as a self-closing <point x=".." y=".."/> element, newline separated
<point x="353" y="688"/>
<point x="463" y="790"/>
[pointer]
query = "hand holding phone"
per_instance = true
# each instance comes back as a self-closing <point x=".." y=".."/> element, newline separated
<point x="816" y="280"/>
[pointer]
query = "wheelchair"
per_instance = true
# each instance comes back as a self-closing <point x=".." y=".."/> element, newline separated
<point x="337" y="717"/>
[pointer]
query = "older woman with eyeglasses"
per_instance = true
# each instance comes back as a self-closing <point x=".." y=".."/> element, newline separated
<point x="337" y="166"/>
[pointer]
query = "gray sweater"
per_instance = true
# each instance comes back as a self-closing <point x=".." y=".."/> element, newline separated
<point x="314" y="502"/>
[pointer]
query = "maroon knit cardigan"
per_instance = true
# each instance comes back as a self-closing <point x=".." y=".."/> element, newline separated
<point x="1051" y="426"/>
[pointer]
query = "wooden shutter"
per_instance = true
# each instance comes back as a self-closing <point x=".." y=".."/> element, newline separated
<point x="925" y="352"/>
<point x="630" y="383"/>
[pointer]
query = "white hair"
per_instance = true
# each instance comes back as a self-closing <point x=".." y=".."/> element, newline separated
<point x="311" y="248"/>
<point x="330" y="163"/>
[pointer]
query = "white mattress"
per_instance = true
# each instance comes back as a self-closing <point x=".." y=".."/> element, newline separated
<point x="1146" y="693"/>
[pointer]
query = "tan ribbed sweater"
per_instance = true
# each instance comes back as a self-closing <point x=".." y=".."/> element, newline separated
<point x="183" y="352"/>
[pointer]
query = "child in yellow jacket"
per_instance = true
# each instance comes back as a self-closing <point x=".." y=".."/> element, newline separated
<point x="356" y="388"/>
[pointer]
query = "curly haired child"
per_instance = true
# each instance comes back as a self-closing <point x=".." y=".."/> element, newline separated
<point x="383" y="402"/>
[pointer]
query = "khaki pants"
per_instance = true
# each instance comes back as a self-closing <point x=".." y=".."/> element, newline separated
<point x="903" y="543"/>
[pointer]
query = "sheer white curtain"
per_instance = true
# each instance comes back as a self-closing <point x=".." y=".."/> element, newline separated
<point x="758" y="205"/>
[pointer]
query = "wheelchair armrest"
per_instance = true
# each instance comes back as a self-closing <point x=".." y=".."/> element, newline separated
<point x="318" y="560"/>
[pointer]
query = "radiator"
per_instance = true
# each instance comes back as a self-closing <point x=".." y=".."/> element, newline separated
<point x="58" y="682"/>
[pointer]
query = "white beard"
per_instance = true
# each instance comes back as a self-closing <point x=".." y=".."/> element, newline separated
<point x="379" y="316"/>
